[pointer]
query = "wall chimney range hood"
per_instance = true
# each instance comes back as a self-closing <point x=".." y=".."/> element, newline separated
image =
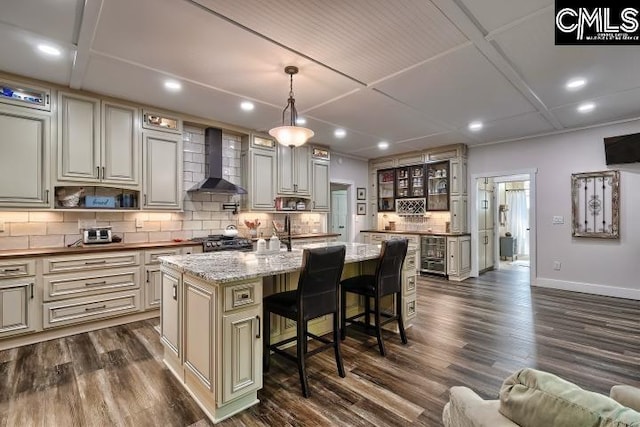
<point x="214" y="183"/>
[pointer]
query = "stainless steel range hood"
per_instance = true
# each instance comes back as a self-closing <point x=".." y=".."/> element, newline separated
<point x="214" y="183"/>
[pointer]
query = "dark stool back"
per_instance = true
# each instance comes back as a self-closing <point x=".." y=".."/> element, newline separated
<point x="317" y="295"/>
<point x="387" y="280"/>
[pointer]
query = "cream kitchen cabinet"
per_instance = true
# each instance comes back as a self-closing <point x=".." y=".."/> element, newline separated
<point x="320" y="195"/>
<point x="162" y="170"/>
<point x="458" y="257"/>
<point x="294" y="174"/>
<point x="89" y="287"/>
<point x="152" y="277"/>
<point x="171" y="316"/>
<point x="24" y="162"/>
<point x="17" y="297"/>
<point x="259" y="178"/>
<point x="459" y="209"/>
<point x="458" y="180"/>
<point x="98" y="141"/>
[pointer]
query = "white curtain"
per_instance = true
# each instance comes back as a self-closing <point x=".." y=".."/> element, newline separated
<point x="518" y="219"/>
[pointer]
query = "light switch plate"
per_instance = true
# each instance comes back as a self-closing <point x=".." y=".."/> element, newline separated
<point x="139" y="223"/>
<point x="557" y="265"/>
<point x="557" y="219"/>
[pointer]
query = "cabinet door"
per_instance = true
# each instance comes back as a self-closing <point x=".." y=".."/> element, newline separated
<point x="386" y="190"/>
<point x="458" y="176"/>
<point x="438" y="186"/>
<point x="120" y="144"/>
<point x="458" y="214"/>
<point x="200" y="331"/>
<point x="489" y="248"/>
<point x="285" y="170"/>
<point x="16" y="307"/>
<point x="263" y="180"/>
<point x="78" y="138"/>
<point x="162" y="184"/>
<point x="321" y="191"/>
<point x="482" y="250"/>
<point x="153" y="288"/>
<point x="464" y="252"/>
<point x="25" y="154"/>
<point x="170" y="317"/>
<point x="452" y="256"/>
<point x="302" y="172"/>
<point x="242" y="353"/>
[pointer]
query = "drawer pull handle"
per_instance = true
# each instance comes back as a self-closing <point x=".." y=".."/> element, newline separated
<point x="175" y="292"/>
<point x="31" y="285"/>
<point x="102" y="307"/>
<point x="102" y="261"/>
<point x="259" y="327"/>
<point x="104" y="282"/>
<point x="10" y="270"/>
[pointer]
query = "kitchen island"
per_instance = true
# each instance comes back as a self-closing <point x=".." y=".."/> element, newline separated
<point x="212" y="312"/>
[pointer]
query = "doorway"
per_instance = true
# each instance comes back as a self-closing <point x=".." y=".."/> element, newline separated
<point x="497" y="212"/>
<point x="339" y="215"/>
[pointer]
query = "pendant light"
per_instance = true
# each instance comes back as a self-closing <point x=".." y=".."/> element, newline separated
<point x="291" y="135"/>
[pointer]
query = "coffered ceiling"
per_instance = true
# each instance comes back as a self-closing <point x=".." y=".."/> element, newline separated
<point x="413" y="73"/>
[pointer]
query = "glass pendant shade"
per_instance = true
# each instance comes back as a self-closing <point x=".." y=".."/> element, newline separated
<point x="291" y="135"/>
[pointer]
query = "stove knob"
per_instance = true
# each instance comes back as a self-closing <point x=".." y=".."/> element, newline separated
<point x="218" y="243"/>
<point x="207" y="244"/>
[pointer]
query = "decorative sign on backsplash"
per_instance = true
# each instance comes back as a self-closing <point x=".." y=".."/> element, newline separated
<point x="596" y="204"/>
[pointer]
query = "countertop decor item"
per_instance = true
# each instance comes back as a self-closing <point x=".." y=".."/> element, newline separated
<point x="291" y="135"/>
<point x="230" y="231"/>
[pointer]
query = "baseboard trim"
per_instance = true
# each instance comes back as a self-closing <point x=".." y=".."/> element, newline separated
<point x="589" y="288"/>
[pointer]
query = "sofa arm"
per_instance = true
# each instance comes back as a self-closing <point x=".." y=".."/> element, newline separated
<point x="467" y="409"/>
<point x="626" y="395"/>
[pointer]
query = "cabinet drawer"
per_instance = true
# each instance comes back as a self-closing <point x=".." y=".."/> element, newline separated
<point x="409" y="310"/>
<point x="410" y="261"/>
<point x="242" y="295"/>
<point x="73" y="285"/>
<point x="64" y="264"/>
<point x="376" y="239"/>
<point x="151" y="256"/>
<point x="77" y="310"/>
<point x="409" y="285"/>
<point x="17" y="268"/>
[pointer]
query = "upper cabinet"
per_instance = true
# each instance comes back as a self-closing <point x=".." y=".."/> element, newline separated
<point x="438" y="186"/>
<point x="321" y="193"/>
<point x="410" y="181"/>
<point x="98" y="142"/>
<point x="294" y="174"/>
<point x="386" y="181"/>
<point x="259" y="166"/>
<point x="24" y="163"/>
<point x="162" y="169"/>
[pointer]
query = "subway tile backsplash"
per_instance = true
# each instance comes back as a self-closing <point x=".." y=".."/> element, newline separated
<point x="202" y="214"/>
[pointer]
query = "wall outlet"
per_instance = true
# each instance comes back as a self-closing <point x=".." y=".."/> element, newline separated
<point x="139" y="223"/>
<point x="1" y="226"/>
<point x="83" y="224"/>
<point x="557" y="265"/>
<point x="557" y="219"/>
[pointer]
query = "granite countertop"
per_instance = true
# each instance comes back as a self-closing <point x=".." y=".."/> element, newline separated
<point x="18" y="253"/>
<point x="419" y="233"/>
<point x="224" y="267"/>
<point x="302" y="236"/>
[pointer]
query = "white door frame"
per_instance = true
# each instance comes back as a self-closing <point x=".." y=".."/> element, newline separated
<point x="529" y="174"/>
<point x="351" y="206"/>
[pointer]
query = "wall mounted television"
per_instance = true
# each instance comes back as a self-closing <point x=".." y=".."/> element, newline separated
<point x="622" y="149"/>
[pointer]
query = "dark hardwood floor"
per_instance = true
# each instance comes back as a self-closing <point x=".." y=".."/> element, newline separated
<point x="473" y="333"/>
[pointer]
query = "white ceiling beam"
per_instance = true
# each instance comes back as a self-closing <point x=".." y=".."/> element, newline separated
<point x="88" y="26"/>
<point x="471" y="30"/>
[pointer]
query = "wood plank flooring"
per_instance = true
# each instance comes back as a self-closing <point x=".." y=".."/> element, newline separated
<point x="473" y="333"/>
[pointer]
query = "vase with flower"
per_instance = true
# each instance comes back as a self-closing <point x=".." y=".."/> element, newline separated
<point x="252" y="226"/>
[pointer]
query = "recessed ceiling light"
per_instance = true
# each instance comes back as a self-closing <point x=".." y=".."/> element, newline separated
<point x="383" y="145"/>
<point x="247" y="106"/>
<point x="49" y="50"/>
<point x="575" y="84"/>
<point x="301" y="121"/>
<point x="475" y="126"/>
<point x="172" y="85"/>
<point x="586" y="107"/>
<point x="340" y="133"/>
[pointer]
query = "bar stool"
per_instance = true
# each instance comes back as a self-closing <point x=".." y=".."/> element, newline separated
<point x="387" y="280"/>
<point x="317" y="295"/>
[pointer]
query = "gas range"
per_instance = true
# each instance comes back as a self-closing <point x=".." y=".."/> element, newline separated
<point x="216" y="242"/>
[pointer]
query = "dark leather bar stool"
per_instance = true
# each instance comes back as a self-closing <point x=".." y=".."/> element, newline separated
<point x="387" y="280"/>
<point x="317" y="295"/>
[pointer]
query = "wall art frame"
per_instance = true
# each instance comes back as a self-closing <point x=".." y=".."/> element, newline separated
<point x="595" y="207"/>
<point x="361" y="208"/>
<point x="361" y="193"/>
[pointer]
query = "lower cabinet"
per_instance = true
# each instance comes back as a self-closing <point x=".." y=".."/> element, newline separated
<point x="458" y="257"/>
<point x="241" y="353"/>
<point x="17" y="306"/>
<point x="152" y="279"/>
<point x="199" y="329"/>
<point x="170" y="318"/>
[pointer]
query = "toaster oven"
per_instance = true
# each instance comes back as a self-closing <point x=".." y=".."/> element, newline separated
<point x="96" y="235"/>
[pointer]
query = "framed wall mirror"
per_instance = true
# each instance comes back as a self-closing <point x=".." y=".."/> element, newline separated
<point x="595" y="204"/>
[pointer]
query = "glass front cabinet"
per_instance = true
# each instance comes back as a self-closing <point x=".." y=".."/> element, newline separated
<point x="438" y="186"/>
<point x="386" y="190"/>
<point x="410" y="181"/>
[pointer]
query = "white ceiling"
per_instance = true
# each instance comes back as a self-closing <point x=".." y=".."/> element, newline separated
<point x="413" y="73"/>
